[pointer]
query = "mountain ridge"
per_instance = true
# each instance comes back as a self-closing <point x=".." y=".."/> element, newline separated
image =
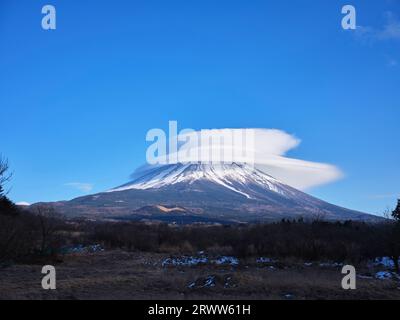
<point x="223" y="192"/>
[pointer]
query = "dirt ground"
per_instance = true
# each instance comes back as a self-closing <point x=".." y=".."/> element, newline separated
<point x="127" y="275"/>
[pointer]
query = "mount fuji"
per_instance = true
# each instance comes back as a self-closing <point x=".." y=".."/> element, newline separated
<point x="187" y="193"/>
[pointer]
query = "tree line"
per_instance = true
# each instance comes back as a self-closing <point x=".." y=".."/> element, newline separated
<point x="29" y="235"/>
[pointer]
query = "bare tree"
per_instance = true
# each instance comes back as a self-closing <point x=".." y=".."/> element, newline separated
<point x="4" y="175"/>
<point x="7" y="207"/>
<point x="48" y="227"/>
<point x="387" y="213"/>
<point x="319" y="216"/>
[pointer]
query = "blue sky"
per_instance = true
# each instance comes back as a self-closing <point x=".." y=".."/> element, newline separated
<point x="76" y="102"/>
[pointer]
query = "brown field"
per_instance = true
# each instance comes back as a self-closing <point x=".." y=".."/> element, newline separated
<point x="132" y="275"/>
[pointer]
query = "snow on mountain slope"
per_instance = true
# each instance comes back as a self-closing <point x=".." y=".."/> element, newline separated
<point x="220" y="193"/>
<point x="235" y="177"/>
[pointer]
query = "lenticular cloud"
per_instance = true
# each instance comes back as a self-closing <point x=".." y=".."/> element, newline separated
<point x="266" y="149"/>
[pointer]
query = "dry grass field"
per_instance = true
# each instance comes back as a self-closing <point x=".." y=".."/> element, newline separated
<point x="131" y="275"/>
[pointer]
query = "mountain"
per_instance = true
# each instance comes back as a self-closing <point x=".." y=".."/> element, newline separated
<point x="223" y="193"/>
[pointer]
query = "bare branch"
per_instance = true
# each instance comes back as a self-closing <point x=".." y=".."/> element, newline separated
<point x="4" y="175"/>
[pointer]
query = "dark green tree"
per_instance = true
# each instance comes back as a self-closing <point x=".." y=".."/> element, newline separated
<point x="394" y="238"/>
<point x="396" y="212"/>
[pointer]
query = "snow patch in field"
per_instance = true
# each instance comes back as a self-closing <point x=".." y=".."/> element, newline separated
<point x="184" y="261"/>
<point x="227" y="260"/>
<point x="384" y="275"/>
<point x="235" y="177"/>
<point x="207" y="282"/>
<point x="384" y="262"/>
<point x="188" y="261"/>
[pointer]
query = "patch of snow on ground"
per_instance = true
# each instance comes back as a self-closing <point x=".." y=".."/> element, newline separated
<point x="385" y="262"/>
<point x="227" y="260"/>
<point x="203" y="283"/>
<point x="194" y="261"/>
<point x="210" y="282"/>
<point x="383" y="275"/>
<point x="184" y="261"/>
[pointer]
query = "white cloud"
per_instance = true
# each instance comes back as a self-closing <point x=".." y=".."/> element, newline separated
<point x="81" y="186"/>
<point x="392" y="28"/>
<point x="299" y="173"/>
<point x="23" y="203"/>
<point x="390" y="31"/>
<point x="266" y="152"/>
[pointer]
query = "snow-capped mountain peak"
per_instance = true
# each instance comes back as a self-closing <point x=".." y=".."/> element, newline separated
<point x="240" y="178"/>
<point x="205" y="193"/>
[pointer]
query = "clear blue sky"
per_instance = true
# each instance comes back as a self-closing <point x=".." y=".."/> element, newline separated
<point x="76" y="103"/>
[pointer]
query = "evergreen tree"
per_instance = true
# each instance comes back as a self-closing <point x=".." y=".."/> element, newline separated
<point x="394" y="242"/>
<point x="396" y="212"/>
